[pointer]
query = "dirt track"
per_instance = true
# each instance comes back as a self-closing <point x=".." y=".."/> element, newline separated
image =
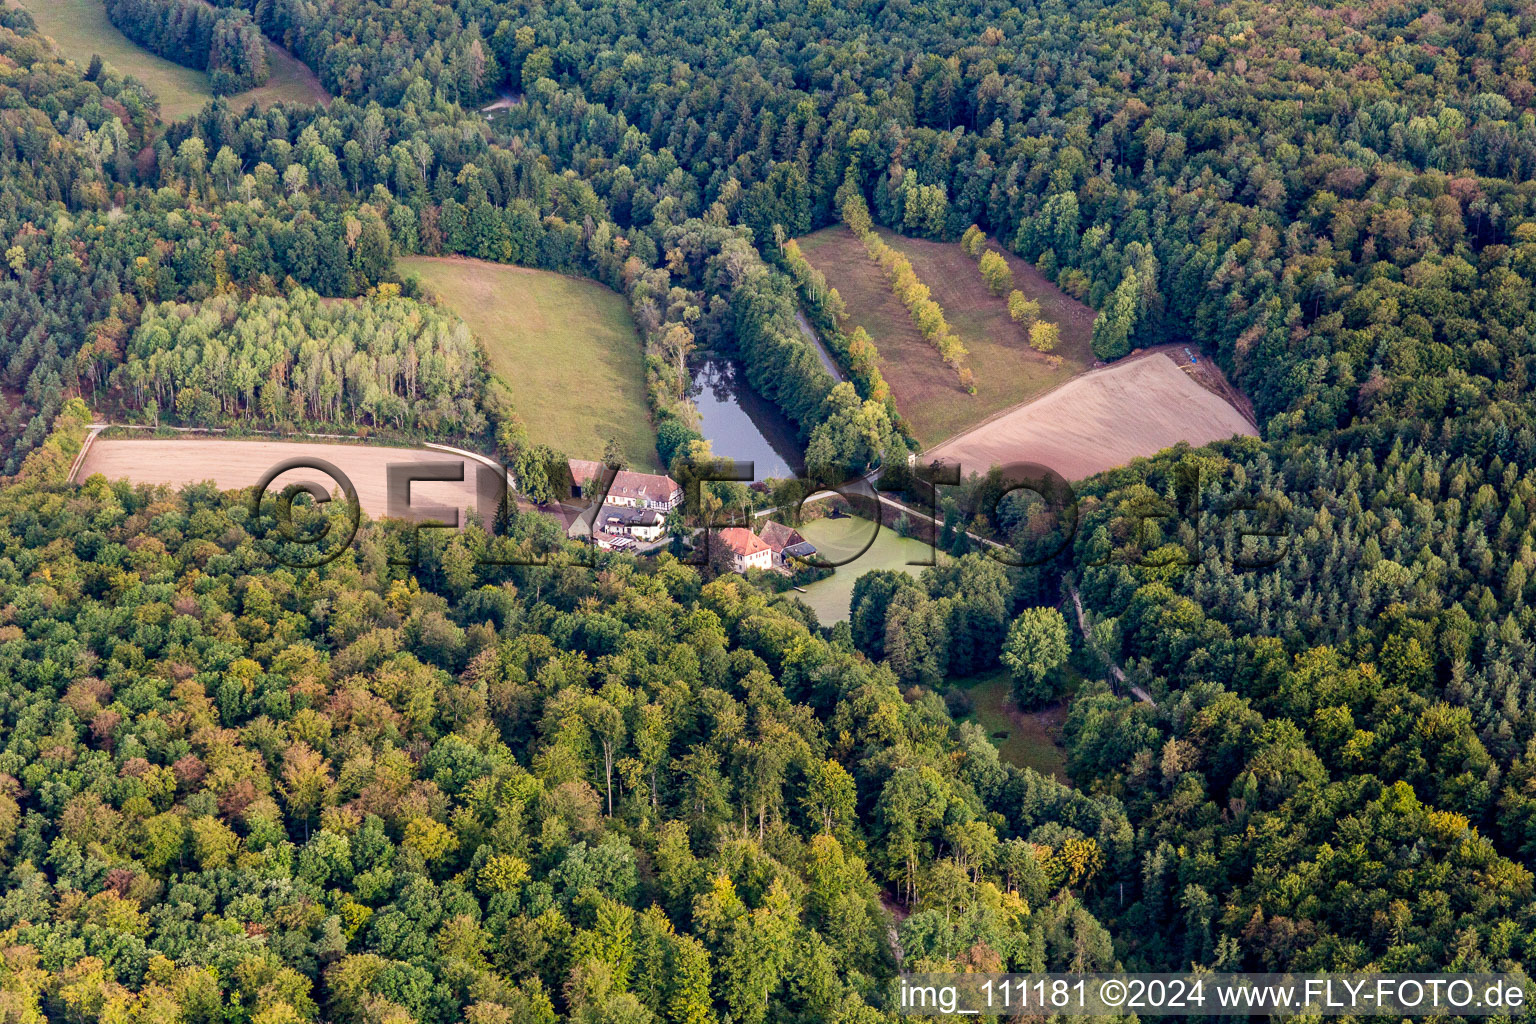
<point x="1098" y="421"/>
<point x="238" y="465"/>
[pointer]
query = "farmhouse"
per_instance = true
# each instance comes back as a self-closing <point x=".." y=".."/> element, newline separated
<point x="635" y="490"/>
<point x="618" y="527"/>
<point x="746" y="548"/>
<point x="785" y="542"/>
<point x="643" y="524"/>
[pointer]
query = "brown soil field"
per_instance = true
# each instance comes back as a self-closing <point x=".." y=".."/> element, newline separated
<point x="238" y="465"/>
<point x="927" y="392"/>
<point x="1100" y="420"/>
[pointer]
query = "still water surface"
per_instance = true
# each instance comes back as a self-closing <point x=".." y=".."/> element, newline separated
<point x="740" y="424"/>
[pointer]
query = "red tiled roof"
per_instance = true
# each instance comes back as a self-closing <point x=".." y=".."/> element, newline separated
<point x="778" y="536"/>
<point x="627" y="485"/>
<point x="741" y="542"/>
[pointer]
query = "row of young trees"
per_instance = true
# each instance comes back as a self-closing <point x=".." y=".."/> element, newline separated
<point x="826" y="311"/>
<point x="926" y="314"/>
<point x="221" y="40"/>
<point x="994" y="268"/>
<point x="1042" y="335"/>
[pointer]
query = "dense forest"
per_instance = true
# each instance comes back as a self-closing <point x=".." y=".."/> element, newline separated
<point x="223" y="42"/>
<point x="232" y="792"/>
<point x="283" y="362"/>
<point x="544" y="792"/>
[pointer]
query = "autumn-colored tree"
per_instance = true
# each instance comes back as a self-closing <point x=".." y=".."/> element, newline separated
<point x="1024" y="311"/>
<point x="996" y="272"/>
<point x="973" y="242"/>
<point x="1044" y="335"/>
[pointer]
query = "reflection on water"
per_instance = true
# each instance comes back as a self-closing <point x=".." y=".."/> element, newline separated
<point x="741" y="424"/>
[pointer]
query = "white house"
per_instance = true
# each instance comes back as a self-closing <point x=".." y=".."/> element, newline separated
<point x="635" y="490"/>
<point x="747" y="549"/>
<point x="643" y="524"/>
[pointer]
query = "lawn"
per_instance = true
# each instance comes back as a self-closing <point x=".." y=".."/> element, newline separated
<point x="927" y="393"/>
<point x="1029" y="739"/>
<point x="565" y="346"/>
<point x="81" y="28"/>
<point x="837" y="539"/>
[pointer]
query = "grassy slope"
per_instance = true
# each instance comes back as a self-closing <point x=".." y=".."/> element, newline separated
<point x="927" y="393"/>
<point x="291" y="82"/>
<point x="837" y="539"/>
<point x="81" y="28"/>
<point x="565" y="346"/>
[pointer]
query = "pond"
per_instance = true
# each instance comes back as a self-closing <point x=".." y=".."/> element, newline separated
<point x="740" y="424"/>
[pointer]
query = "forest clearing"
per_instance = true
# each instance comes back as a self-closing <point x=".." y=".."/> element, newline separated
<point x="291" y="82"/>
<point x="1029" y="739"/>
<point x="235" y="465"/>
<point x="1007" y="371"/>
<point x="81" y="28"/>
<point x="566" y="348"/>
<point x="1100" y="420"/>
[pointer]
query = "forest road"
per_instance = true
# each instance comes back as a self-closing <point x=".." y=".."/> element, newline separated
<point x="1115" y="671"/>
<point x="821" y="349"/>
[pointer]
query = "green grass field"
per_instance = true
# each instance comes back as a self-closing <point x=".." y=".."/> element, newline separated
<point x="927" y="392"/>
<point x="566" y="348"/>
<point x="836" y="539"/>
<point x="81" y="28"/>
<point x="1029" y="739"/>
